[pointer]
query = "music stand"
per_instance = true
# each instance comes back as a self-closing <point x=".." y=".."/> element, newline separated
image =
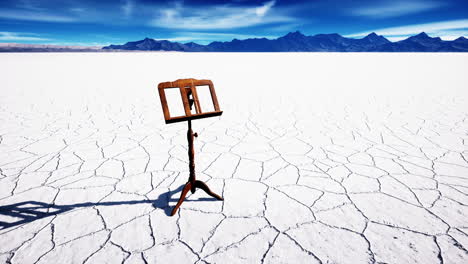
<point x="188" y="92"/>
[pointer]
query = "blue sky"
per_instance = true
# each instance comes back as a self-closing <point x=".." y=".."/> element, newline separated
<point x="86" y="22"/>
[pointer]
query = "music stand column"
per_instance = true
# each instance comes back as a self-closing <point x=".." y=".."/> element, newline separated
<point x="192" y="183"/>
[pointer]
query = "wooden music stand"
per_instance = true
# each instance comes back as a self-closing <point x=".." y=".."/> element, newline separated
<point x="188" y="92"/>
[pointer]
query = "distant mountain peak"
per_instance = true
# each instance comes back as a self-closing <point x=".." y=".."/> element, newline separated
<point x="376" y="39"/>
<point x="294" y="35"/>
<point x="422" y="35"/>
<point x="297" y="32"/>
<point x="373" y="35"/>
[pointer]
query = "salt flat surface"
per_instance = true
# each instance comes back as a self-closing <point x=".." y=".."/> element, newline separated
<point x="321" y="158"/>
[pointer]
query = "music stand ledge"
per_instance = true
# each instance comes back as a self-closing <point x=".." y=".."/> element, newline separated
<point x="188" y="92"/>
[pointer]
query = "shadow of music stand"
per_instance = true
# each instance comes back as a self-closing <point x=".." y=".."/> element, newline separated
<point x="188" y="92"/>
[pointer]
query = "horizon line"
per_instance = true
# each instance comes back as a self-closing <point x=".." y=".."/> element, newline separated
<point x="80" y="45"/>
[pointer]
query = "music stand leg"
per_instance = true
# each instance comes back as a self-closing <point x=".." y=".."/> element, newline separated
<point x="192" y="183"/>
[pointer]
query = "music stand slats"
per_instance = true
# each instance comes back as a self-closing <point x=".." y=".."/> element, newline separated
<point x="188" y="87"/>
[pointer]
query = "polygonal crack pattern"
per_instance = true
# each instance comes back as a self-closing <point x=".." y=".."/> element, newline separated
<point x="89" y="180"/>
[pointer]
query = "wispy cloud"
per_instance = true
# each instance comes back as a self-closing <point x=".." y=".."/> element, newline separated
<point x="34" y="16"/>
<point x="262" y="10"/>
<point x="218" y="17"/>
<point x="29" y="5"/>
<point x="20" y="36"/>
<point x="78" y="10"/>
<point x="395" y="8"/>
<point x="444" y="29"/>
<point x="128" y="8"/>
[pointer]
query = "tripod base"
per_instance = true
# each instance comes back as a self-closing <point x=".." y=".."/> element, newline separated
<point x="193" y="186"/>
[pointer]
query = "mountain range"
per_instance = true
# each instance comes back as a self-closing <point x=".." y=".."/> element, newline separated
<point x="18" y="47"/>
<point x="291" y="42"/>
<point x="298" y="42"/>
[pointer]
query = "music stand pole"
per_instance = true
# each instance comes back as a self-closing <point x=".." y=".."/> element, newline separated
<point x="192" y="183"/>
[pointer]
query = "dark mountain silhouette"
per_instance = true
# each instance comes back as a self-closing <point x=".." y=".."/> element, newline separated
<point x="150" y="44"/>
<point x="291" y="42"/>
<point x="296" y="41"/>
<point x="423" y="43"/>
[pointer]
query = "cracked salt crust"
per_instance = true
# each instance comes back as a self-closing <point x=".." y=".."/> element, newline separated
<point x="321" y="158"/>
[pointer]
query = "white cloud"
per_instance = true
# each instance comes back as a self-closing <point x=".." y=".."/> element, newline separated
<point x="218" y="17"/>
<point x="19" y="36"/>
<point x="453" y="34"/>
<point x="128" y="8"/>
<point x="34" y="16"/>
<point x="78" y="9"/>
<point x="262" y="10"/>
<point x="444" y="29"/>
<point x="395" y="8"/>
